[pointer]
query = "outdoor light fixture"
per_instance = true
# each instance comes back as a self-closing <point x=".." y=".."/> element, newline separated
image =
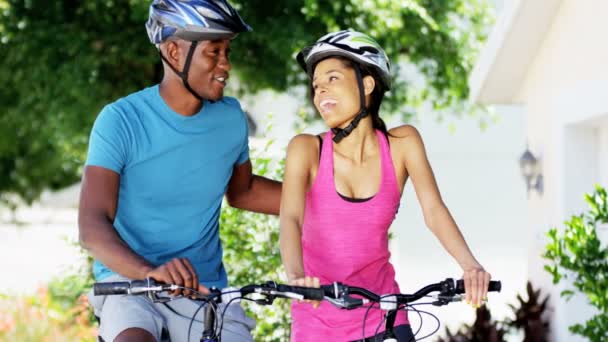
<point x="531" y="170"/>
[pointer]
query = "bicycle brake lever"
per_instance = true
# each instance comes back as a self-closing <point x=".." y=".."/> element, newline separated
<point x="445" y="300"/>
<point x="265" y="300"/>
<point x="156" y="299"/>
<point x="347" y="302"/>
<point x="263" y="297"/>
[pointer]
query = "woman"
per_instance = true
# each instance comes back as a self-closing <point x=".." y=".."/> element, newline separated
<point x="342" y="191"/>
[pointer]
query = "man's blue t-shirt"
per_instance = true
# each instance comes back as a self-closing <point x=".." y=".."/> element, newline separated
<point x="174" y="171"/>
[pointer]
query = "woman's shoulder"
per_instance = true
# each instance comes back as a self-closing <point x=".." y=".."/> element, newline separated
<point x="403" y="131"/>
<point x="303" y="140"/>
<point x="404" y="135"/>
<point x="304" y="145"/>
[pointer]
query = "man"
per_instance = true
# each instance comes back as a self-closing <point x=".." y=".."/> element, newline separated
<point x="160" y="161"/>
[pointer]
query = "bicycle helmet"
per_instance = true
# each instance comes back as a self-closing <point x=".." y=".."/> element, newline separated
<point x="357" y="47"/>
<point x="192" y="20"/>
<point x="353" y="45"/>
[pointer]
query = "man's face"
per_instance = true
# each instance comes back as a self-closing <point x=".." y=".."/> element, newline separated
<point x="209" y="68"/>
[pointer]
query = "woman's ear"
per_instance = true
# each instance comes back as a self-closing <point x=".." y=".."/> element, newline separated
<point x="369" y="83"/>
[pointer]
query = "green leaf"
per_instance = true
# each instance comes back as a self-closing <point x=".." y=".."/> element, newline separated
<point x="579" y="253"/>
<point x="567" y="294"/>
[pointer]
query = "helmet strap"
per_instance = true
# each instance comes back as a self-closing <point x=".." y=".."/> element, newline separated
<point x="341" y="133"/>
<point x="184" y="74"/>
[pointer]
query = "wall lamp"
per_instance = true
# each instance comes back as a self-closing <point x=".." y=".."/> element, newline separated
<point x="531" y="170"/>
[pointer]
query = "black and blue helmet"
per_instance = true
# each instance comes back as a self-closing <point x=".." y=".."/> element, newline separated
<point x="193" y="20"/>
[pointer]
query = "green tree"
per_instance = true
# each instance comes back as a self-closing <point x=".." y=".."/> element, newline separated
<point x="577" y="254"/>
<point x="251" y="255"/>
<point x="63" y="60"/>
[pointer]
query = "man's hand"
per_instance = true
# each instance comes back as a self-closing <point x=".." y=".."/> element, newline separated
<point x="178" y="271"/>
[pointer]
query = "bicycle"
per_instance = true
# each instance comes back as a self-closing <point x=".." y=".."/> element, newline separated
<point x="337" y="293"/>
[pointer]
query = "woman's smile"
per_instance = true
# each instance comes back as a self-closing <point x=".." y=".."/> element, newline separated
<point x="327" y="105"/>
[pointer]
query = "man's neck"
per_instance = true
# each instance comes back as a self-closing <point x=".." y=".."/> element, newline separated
<point x="178" y="98"/>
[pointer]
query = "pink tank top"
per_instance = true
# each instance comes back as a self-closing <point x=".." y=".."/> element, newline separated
<point x="347" y="242"/>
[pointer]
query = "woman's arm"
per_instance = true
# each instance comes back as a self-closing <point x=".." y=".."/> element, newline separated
<point x="295" y="183"/>
<point x="437" y="216"/>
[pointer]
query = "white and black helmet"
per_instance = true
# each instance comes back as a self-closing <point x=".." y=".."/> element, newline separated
<point x="193" y="20"/>
<point x="353" y="45"/>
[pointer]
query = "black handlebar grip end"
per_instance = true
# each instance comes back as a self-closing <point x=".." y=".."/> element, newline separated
<point x="104" y="289"/>
<point x="494" y="286"/>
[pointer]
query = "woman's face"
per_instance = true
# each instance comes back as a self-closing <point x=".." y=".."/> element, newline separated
<point x="336" y="93"/>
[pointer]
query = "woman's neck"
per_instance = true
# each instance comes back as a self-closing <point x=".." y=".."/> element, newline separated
<point x="360" y="144"/>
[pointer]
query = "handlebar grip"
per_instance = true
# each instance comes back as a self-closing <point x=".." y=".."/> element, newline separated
<point x="494" y="286"/>
<point x="312" y="293"/>
<point x="116" y="288"/>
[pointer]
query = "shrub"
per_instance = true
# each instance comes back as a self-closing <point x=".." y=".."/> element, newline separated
<point x="529" y="316"/>
<point x="251" y="255"/>
<point x="577" y="254"/>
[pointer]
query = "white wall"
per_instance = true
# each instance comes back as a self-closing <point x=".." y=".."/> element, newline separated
<point x="478" y="176"/>
<point x="602" y="153"/>
<point x="564" y="96"/>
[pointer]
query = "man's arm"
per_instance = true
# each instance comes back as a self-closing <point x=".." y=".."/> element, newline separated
<point x="251" y="192"/>
<point x="96" y="213"/>
<point x="98" y="200"/>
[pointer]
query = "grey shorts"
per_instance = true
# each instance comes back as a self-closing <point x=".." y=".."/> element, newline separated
<point x="120" y="312"/>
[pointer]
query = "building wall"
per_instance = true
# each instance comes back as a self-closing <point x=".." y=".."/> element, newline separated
<point x="478" y="175"/>
<point x="564" y="96"/>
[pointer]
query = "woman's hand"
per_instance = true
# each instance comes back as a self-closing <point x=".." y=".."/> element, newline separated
<point x="476" y="281"/>
<point x="307" y="282"/>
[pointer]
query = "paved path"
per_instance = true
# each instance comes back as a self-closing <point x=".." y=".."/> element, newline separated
<point x="38" y="248"/>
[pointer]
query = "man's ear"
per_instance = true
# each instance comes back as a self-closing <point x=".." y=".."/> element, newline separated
<point x="171" y="51"/>
<point x="369" y="83"/>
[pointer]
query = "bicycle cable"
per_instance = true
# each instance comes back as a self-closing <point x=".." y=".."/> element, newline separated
<point x="365" y="319"/>
<point x="224" y="313"/>
<point x="379" y="325"/>
<point x="411" y="308"/>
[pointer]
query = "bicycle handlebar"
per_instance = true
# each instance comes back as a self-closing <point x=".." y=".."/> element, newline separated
<point x="336" y="293"/>
<point x="493" y="286"/>
<point x="133" y="287"/>
<point x="447" y="290"/>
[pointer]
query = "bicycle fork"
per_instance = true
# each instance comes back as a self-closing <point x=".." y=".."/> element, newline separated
<point x="209" y="334"/>
<point x="389" y="334"/>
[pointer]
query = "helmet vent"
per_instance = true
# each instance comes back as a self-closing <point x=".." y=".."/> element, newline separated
<point x="205" y="12"/>
<point x="162" y="5"/>
<point x="224" y="7"/>
<point x="369" y="49"/>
